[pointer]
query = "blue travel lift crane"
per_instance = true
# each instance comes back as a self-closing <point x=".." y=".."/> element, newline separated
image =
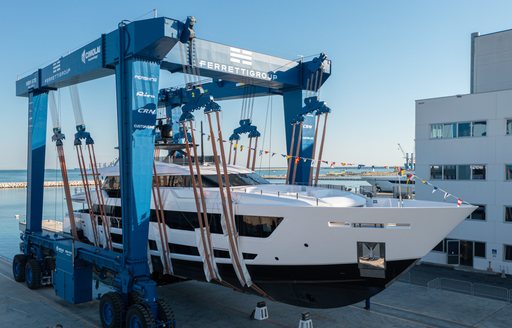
<point x="135" y="53"/>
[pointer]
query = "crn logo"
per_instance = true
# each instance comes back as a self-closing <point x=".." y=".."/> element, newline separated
<point x="147" y="111"/>
<point x="144" y="94"/>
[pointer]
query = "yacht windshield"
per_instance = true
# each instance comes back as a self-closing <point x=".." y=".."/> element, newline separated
<point x="235" y="180"/>
<point x="112" y="185"/>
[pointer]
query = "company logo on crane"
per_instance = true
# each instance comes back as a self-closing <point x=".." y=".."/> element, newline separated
<point x="240" y="56"/>
<point x="92" y="54"/>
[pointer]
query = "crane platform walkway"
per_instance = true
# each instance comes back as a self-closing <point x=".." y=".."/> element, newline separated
<point x="205" y="305"/>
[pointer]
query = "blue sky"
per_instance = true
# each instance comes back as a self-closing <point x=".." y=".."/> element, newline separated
<point x="385" y="55"/>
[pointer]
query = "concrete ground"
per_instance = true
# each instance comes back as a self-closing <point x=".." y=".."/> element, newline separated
<point x="205" y="305"/>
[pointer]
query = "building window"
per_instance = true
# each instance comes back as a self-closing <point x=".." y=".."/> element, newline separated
<point x="436" y="131"/>
<point x="478" y="172"/>
<point x="450" y="172"/>
<point x="508" y="214"/>
<point x="460" y="129"/>
<point x="458" y="172"/>
<point x="449" y="130"/>
<point x="507" y="250"/>
<point x="479" y="129"/>
<point x="463" y="172"/>
<point x="436" y="172"/>
<point x="464" y="129"/>
<point x="478" y="214"/>
<point x="508" y="171"/>
<point x="509" y="127"/>
<point x="479" y="249"/>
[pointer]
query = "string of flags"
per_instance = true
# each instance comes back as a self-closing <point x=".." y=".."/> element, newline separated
<point x="446" y="194"/>
<point x="410" y="176"/>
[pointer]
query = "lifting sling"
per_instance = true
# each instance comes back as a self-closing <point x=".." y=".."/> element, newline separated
<point x="58" y="137"/>
<point x="79" y="135"/>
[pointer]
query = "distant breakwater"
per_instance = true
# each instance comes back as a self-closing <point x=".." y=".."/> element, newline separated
<point x="47" y="184"/>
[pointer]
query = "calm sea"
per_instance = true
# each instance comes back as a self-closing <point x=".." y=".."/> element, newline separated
<point x="13" y="201"/>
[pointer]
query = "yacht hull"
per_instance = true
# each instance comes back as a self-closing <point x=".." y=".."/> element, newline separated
<point x="311" y="286"/>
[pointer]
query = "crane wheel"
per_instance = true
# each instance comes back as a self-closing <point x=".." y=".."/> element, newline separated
<point x="112" y="310"/>
<point x="18" y="267"/>
<point x="165" y="314"/>
<point x="139" y="316"/>
<point x="33" y="274"/>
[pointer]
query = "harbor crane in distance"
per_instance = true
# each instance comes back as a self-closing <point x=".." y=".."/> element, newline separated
<point x="135" y="53"/>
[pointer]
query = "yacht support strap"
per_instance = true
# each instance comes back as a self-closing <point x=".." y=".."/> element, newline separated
<point x="210" y="273"/>
<point x="99" y="195"/>
<point x="314" y="150"/>
<point x="249" y="153"/>
<point x="254" y="154"/>
<point x="296" y="160"/>
<point x="58" y="137"/>
<point x="227" y="208"/>
<point x="162" y="225"/>
<point x="319" y="162"/>
<point x="235" y="150"/>
<point x="290" y="154"/>
<point x="230" y="148"/>
<point x="87" y="192"/>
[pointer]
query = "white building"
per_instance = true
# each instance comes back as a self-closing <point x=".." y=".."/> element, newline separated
<point x="464" y="146"/>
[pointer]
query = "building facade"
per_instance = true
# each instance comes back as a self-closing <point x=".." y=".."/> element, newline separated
<point x="464" y="146"/>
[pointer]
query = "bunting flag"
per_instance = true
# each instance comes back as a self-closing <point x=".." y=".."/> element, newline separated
<point x="399" y="170"/>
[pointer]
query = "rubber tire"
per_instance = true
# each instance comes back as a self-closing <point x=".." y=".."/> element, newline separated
<point x="115" y="302"/>
<point x="18" y="267"/>
<point x="135" y="298"/>
<point x="165" y="314"/>
<point x="139" y="316"/>
<point x="33" y="274"/>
